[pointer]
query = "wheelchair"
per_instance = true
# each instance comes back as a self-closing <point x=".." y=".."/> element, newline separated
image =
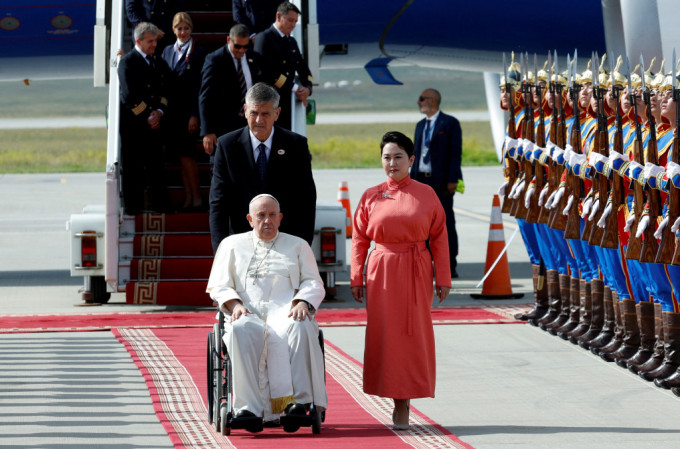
<point x="220" y="412"/>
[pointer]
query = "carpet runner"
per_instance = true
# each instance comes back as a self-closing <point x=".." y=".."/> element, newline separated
<point x="329" y="317"/>
<point x="174" y="370"/>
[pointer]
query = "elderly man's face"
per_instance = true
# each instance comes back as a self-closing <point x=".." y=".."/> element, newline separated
<point x="261" y="118"/>
<point x="427" y="103"/>
<point x="265" y="218"/>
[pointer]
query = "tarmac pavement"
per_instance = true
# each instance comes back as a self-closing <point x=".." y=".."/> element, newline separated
<point x="498" y="386"/>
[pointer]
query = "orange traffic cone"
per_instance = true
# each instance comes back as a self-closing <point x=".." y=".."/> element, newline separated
<point x="343" y="197"/>
<point x="497" y="277"/>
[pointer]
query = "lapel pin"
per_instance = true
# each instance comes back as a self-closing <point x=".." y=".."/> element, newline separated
<point x="281" y="152"/>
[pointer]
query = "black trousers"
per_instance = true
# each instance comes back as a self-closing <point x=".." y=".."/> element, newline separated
<point x="446" y="199"/>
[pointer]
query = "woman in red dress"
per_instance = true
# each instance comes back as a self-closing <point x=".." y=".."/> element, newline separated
<point x="399" y="215"/>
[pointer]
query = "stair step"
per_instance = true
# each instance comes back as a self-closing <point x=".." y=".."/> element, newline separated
<point x="171" y="293"/>
<point x="170" y="269"/>
<point x="181" y="222"/>
<point x="158" y="245"/>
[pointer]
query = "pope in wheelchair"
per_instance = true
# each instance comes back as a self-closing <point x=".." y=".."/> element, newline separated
<point x="268" y="286"/>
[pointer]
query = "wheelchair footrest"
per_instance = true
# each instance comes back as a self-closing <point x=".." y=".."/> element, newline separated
<point x="252" y="424"/>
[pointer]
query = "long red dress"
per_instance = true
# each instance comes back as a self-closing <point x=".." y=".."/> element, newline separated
<point x="399" y="357"/>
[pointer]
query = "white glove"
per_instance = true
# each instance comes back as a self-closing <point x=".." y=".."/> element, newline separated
<point x="541" y="197"/>
<point x="519" y="189"/>
<point x="644" y="222"/>
<point x="651" y="170"/>
<point x="629" y="222"/>
<point x="570" y="202"/>
<point x="501" y="189"/>
<point x="602" y="222"/>
<point x="672" y="169"/>
<point x="659" y="230"/>
<point x="587" y="204"/>
<point x="527" y="197"/>
<point x="558" y="196"/>
<point x="549" y="201"/>
<point x="596" y="207"/>
<point x="676" y="225"/>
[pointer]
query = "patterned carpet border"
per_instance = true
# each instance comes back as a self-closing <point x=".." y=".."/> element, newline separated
<point x="423" y="434"/>
<point x="181" y="411"/>
<point x="184" y="415"/>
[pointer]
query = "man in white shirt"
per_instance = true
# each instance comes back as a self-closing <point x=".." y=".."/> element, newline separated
<point x="268" y="283"/>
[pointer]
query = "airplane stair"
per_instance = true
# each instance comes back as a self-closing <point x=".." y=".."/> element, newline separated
<point x="166" y="258"/>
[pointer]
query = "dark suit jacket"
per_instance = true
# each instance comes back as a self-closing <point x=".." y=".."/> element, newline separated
<point x="158" y="12"/>
<point x="257" y="15"/>
<point x="236" y="181"/>
<point x="446" y="148"/>
<point x="143" y="88"/>
<point x="282" y="60"/>
<point x="186" y="79"/>
<point x="219" y="99"/>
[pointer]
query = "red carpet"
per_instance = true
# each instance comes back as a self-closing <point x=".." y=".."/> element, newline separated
<point x="173" y="364"/>
<point x="331" y="317"/>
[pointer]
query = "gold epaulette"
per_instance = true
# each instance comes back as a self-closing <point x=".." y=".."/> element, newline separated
<point x="280" y="82"/>
<point x="141" y="107"/>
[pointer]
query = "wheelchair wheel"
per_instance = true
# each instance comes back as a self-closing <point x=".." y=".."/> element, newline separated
<point x="217" y="378"/>
<point x="224" y="419"/>
<point x="209" y="367"/>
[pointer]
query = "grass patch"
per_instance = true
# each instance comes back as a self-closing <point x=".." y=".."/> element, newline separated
<point x="52" y="150"/>
<point x="332" y="146"/>
<point x="358" y="146"/>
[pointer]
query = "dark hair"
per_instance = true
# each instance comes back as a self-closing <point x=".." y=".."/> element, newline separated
<point x="238" y="30"/>
<point x="398" y="138"/>
<point x="285" y="7"/>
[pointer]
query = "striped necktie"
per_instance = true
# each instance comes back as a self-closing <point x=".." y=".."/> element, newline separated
<point x="241" y="81"/>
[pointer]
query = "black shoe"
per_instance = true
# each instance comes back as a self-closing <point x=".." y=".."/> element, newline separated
<point x="245" y="414"/>
<point x="296" y="409"/>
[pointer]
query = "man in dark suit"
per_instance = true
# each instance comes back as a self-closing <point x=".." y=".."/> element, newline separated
<point x="262" y="158"/>
<point x="143" y="81"/>
<point x="257" y="15"/>
<point x="158" y="12"/>
<point x="223" y="91"/>
<point x="438" y="151"/>
<point x="283" y="60"/>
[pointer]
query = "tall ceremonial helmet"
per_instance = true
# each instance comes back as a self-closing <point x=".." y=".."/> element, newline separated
<point x="542" y="74"/>
<point x="587" y="75"/>
<point x="617" y="78"/>
<point x="560" y="78"/>
<point x="667" y="83"/>
<point x="635" y="80"/>
<point x="514" y="74"/>
<point x="649" y="76"/>
<point x="659" y="77"/>
<point x="603" y="76"/>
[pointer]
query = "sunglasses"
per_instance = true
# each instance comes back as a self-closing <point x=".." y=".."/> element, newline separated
<point x="239" y="47"/>
<point x="421" y="98"/>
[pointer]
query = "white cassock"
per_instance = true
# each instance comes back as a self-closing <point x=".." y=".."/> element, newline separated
<point x="275" y="359"/>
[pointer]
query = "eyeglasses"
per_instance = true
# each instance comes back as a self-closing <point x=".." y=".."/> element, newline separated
<point x="421" y="98"/>
<point x="239" y="47"/>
